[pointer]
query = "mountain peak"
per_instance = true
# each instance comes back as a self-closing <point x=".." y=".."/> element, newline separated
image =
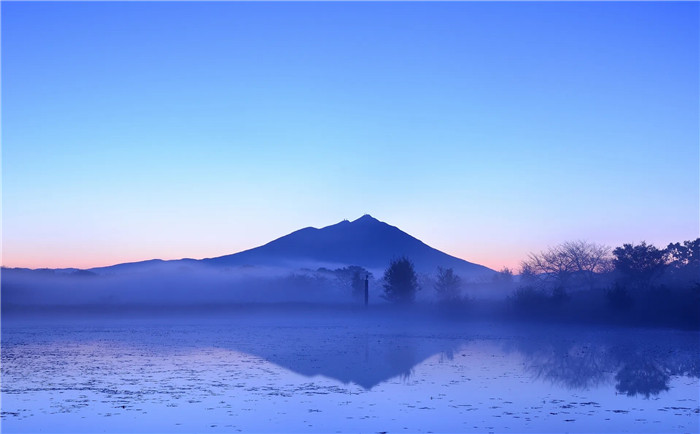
<point x="365" y="242"/>
<point x="366" y="218"/>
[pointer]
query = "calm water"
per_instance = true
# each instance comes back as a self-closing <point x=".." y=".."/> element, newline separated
<point x="345" y="373"/>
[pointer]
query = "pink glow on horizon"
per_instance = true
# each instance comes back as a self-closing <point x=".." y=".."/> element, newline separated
<point x="78" y="258"/>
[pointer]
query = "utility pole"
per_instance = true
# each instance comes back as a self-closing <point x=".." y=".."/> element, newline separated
<point x="366" y="290"/>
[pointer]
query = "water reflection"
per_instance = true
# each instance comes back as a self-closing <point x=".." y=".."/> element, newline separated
<point x="636" y="362"/>
<point x="642" y="377"/>
<point x="362" y="357"/>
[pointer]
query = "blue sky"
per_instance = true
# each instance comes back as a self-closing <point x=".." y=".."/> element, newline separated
<point x="139" y="130"/>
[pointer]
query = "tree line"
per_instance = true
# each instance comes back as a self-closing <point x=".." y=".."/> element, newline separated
<point x="639" y="282"/>
<point x="630" y="268"/>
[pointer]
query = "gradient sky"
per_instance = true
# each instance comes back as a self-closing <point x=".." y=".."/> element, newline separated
<point x="133" y="131"/>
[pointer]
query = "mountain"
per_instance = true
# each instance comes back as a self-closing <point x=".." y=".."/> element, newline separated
<point x="366" y="241"/>
<point x="275" y="272"/>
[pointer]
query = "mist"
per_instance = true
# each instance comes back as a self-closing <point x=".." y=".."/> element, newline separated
<point x="167" y="285"/>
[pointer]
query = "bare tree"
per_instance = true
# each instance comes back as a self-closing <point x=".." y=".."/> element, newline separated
<point x="588" y="259"/>
<point x="571" y="261"/>
<point x="549" y="266"/>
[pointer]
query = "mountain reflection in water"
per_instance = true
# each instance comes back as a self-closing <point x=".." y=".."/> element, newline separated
<point x="363" y="357"/>
<point x="637" y="362"/>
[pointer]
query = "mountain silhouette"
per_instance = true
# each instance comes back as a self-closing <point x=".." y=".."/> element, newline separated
<point x="366" y="241"/>
<point x="287" y="269"/>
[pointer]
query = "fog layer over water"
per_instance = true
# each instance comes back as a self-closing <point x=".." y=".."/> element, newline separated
<point x="352" y="370"/>
<point x="178" y="283"/>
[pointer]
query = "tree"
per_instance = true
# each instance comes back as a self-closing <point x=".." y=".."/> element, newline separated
<point x="400" y="281"/>
<point x="682" y="255"/>
<point x="505" y="275"/>
<point x="448" y="285"/>
<point x="352" y="278"/>
<point x="528" y="277"/>
<point x="639" y="265"/>
<point x="588" y="260"/>
<point x="683" y="262"/>
<point x="567" y="264"/>
<point x="503" y="280"/>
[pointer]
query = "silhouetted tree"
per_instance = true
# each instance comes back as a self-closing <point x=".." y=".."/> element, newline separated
<point x="639" y="265"/>
<point x="683" y="262"/>
<point x="448" y="285"/>
<point x="682" y="255"/>
<point x="400" y="281"/>
<point x="527" y="275"/>
<point x="588" y="260"/>
<point x="549" y="266"/>
<point x="568" y="263"/>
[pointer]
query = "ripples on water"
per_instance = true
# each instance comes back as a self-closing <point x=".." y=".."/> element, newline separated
<point x="345" y="374"/>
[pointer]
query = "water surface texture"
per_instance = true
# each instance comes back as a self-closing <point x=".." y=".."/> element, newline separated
<point x="347" y="374"/>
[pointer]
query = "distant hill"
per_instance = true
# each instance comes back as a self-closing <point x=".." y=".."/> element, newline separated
<point x="366" y="241"/>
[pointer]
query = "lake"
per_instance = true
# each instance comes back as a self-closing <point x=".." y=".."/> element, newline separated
<point x="350" y="371"/>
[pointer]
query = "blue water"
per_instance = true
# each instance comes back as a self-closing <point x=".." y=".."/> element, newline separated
<point x="304" y="373"/>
